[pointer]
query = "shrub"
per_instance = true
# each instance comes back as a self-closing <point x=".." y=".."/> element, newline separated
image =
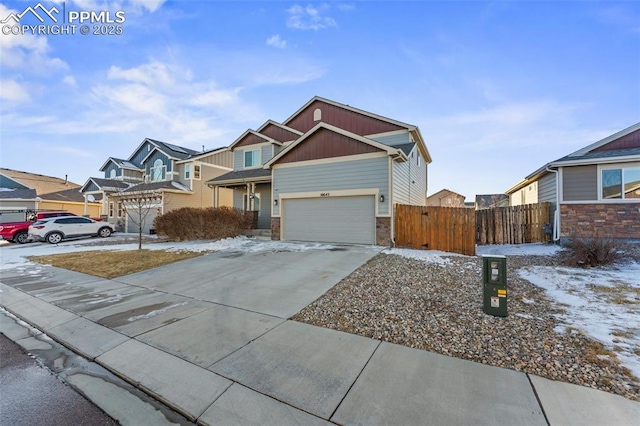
<point x="595" y="251"/>
<point x="202" y="224"/>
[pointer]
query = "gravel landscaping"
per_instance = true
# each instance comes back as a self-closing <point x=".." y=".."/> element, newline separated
<point x="437" y="306"/>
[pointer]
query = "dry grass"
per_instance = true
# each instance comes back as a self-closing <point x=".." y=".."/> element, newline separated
<point x="111" y="264"/>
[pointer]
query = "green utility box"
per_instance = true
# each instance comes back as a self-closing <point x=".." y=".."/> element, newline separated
<point x="494" y="283"/>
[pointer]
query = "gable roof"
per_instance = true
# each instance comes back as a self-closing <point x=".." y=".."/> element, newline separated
<point x="414" y="130"/>
<point x="172" y="151"/>
<point x="70" y="195"/>
<point x="17" y="194"/>
<point x="203" y="154"/>
<point x="283" y="130"/>
<point x="157" y="186"/>
<point x="123" y="164"/>
<point x="250" y="132"/>
<point x="42" y="184"/>
<point x="241" y="176"/>
<point x="443" y="193"/>
<point x="105" y="184"/>
<point x="394" y="151"/>
<point x="590" y="154"/>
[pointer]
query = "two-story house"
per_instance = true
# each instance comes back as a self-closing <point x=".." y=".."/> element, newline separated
<point x="168" y="175"/>
<point x="329" y="173"/>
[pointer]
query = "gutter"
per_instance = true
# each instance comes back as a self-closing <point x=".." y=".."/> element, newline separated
<point x="556" y="213"/>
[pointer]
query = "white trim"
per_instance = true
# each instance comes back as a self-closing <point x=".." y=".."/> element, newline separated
<point x="282" y="126"/>
<point x="391" y="133"/>
<point x="267" y="139"/>
<point x="19" y="183"/>
<point x="601" y="167"/>
<point x="144" y="160"/>
<point x="596" y="161"/>
<point x="330" y="160"/>
<point x="332" y="194"/>
<point x="622" y="133"/>
<point x="605" y="201"/>
<point x="386" y="148"/>
<point x="244" y="158"/>
<point x="203" y="155"/>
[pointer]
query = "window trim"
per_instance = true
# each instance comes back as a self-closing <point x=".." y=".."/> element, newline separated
<point x="120" y="209"/>
<point x="187" y="172"/>
<point x="258" y="162"/>
<point x="197" y="172"/>
<point x="162" y="168"/>
<point x="615" y="166"/>
<point x="111" y="209"/>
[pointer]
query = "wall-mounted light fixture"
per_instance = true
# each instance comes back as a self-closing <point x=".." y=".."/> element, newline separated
<point x="382" y="198"/>
<point x="275" y="202"/>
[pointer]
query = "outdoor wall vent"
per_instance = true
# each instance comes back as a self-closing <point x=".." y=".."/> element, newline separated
<point x="317" y="114"/>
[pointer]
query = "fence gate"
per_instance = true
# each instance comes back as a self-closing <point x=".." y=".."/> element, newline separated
<point x="513" y="225"/>
<point x="436" y="228"/>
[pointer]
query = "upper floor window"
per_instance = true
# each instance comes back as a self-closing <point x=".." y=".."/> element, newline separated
<point x="620" y="183"/>
<point x="187" y="171"/>
<point x="158" y="170"/>
<point x="112" y="173"/>
<point x="252" y="158"/>
<point x="196" y="172"/>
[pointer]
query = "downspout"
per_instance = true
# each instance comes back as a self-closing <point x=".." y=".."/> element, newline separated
<point x="556" y="213"/>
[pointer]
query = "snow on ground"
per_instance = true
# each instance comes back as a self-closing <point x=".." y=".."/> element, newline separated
<point x="533" y="249"/>
<point x="15" y="255"/>
<point x="429" y="256"/>
<point x="604" y="303"/>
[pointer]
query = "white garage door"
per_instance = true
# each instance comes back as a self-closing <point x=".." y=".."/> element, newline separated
<point x="331" y="219"/>
<point x="134" y="215"/>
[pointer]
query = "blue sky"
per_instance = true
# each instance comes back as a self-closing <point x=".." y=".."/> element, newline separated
<point x="496" y="88"/>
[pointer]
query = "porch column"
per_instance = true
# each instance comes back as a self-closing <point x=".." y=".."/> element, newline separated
<point x="86" y="206"/>
<point x="247" y="207"/>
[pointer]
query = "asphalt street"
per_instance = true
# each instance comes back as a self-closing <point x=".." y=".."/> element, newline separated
<point x="32" y="395"/>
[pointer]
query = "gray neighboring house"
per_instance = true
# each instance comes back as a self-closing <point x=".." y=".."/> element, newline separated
<point x="328" y="173"/>
<point x="594" y="192"/>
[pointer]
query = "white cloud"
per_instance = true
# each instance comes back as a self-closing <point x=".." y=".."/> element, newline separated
<point x="309" y="18"/>
<point x="13" y="91"/>
<point x="276" y="41"/>
<point x="345" y="7"/>
<point x="153" y="73"/>
<point x="149" y="5"/>
<point x="70" y="81"/>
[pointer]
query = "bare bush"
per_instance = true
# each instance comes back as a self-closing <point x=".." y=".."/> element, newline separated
<point x="596" y="251"/>
<point x="202" y="224"/>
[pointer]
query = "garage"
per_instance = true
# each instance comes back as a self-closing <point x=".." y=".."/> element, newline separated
<point x="330" y="219"/>
<point x="145" y="214"/>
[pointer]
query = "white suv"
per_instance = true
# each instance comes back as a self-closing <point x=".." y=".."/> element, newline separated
<point x="57" y="229"/>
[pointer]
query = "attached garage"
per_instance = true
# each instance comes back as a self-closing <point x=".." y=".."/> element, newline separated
<point x="330" y="219"/>
<point x="146" y="215"/>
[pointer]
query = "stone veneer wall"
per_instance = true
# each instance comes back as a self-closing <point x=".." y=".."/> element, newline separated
<point x="383" y="231"/>
<point x="619" y="221"/>
<point x="275" y="228"/>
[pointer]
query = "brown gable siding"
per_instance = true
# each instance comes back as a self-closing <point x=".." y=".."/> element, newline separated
<point x="278" y="133"/>
<point x="326" y="144"/>
<point x="250" y="139"/>
<point x="342" y="118"/>
<point x="632" y="140"/>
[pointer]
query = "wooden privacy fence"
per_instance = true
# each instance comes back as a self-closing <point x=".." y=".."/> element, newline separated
<point x="512" y="225"/>
<point x="436" y="228"/>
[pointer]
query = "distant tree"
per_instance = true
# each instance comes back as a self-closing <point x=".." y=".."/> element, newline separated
<point x="138" y="205"/>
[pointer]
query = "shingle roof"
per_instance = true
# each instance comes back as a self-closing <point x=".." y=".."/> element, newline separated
<point x="125" y="164"/>
<point x="41" y="183"/>
<point x="110" y="183"/>
<point x="406" y="147"/>
<point x="19" y="194"/>
<point x="73" y="195"/>
<point x="175" y="151"/>
<point x="251" y="174"/>
<point x="154" y="186"/>
<point x="601" y="154"/>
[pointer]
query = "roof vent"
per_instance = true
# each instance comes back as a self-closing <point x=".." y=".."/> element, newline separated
<point x="317" y="114"/>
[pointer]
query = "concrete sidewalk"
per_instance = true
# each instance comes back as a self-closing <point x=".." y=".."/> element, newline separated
<point x="200" y="337"/>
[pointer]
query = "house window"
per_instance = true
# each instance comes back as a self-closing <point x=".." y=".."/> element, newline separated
<point x="196" y="172"/>
<point x="158" y="171"/>
<point x="110" y="209"/>
<point x="187" y="171"/>
<point x="418" y="161"/>
<point x="112" y="174"/>
<point x="622" y="183"/>
<point x="252" y="158"/>
<point x="120" y="209"/>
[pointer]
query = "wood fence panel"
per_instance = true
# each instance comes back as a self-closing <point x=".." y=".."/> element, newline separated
<point x="436" y="228"/>
<point x="512" y="225"/>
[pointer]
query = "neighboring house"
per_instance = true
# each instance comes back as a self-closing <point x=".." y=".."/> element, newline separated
<point x="445" y="198"/>
<point x="594" y="192"/>
<point x="328" y="173"/>
<point x="489" y="201"/>
<point x="29" y="191"/>
<point x="167" y="175"/>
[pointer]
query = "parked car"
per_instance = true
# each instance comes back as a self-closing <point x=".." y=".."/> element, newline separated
<point x="17" y="232"/>
<point x="57" y="229"/>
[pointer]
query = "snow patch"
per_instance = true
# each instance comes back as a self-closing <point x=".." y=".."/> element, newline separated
<point x="533" y="249"/>
<point x="428" y="256"/>
<point x="156" y="312"/>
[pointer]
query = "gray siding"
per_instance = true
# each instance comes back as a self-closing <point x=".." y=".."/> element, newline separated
<point x="547" y="189"/>
<point x="153" y="157"/>
<point x="238" y="194"/>
<point x="394" y="139"/>
<point x="92" y="187"/>
<point x="410" y="180"/>
<point x="5" y="182"/>
<point x="238" y="159"/>
<point x="369" y="173"/>
<point x="580" y="183"/>
<point x="266" y="154"/>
